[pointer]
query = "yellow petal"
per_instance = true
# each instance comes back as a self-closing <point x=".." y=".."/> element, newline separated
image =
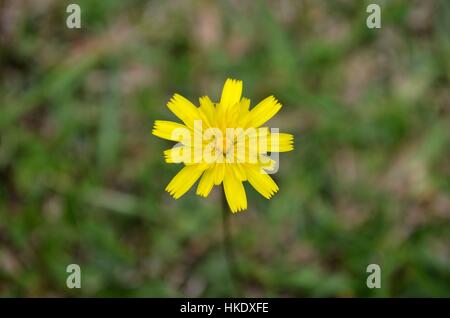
<point x="170" y="130"/>
<point x="184" y="110"/>
<point x="245" y="104"/>
<point x="234" y="192"/>
<point x="184" y="180"/>
<point x="231" y="93"/>
<point x="206" y="183"/>
<point x="262" y="112"/>
<point x="219" y="172"/>
<point x="239" y="171"/>
<point x="285" y="142"/>
<point x="266" y="163"/>
<point x="241" y="113"/>
<point x="262" y="182"/>
<point x="207" y="108"/>
<point x="179" y="154"/>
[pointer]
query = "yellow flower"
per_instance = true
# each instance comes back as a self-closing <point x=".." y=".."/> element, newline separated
<point x="229" y="147"/>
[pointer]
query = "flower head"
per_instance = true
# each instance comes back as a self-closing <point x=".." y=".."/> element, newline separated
<point x="225" y="143"/>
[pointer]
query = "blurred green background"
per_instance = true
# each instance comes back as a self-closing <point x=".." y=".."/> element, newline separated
<point x="82" y="179"/>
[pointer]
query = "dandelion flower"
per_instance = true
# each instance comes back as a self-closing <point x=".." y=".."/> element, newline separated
<point x="223" y="143"/>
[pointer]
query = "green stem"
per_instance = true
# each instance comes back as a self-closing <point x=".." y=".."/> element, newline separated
<point x="230" y="256"/>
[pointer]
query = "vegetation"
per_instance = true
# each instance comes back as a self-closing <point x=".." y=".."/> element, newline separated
<point x="82" y="179"/>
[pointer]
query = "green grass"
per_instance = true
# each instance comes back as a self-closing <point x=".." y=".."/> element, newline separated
<point x="82" y="179"/>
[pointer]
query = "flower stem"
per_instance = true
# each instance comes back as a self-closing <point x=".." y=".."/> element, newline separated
<point x="230" y="256"/>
